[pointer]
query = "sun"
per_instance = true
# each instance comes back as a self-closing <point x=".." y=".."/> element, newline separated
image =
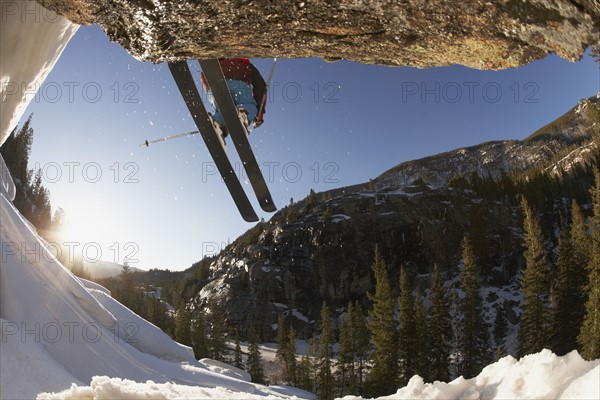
<point x="84" y="224"/>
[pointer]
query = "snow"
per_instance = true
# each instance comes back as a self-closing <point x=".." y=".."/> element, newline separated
<point x="225" y="369"/>
<point x="26" y="367"/>
<point x="339" y="218"/>
<point x="103" y="387"/>
<point x="31" y="41"/>
<point x="538" y="376"/>
<point x="298" y="315"/>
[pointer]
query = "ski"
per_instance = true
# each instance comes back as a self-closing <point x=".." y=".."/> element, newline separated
<point x="218" y="85"/>
<point x="185" y="82"/>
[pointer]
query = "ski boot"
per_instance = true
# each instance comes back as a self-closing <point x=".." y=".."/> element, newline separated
<point x="221" y="131"/>
<point x="243" y="115"/>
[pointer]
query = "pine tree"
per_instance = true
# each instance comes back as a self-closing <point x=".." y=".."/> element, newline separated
<point x="534" y="329"/>
<point x="282" y="345"/>
<point x="589" y="336"/>
<point x="254" y="363"/>
<point x="237" y="357"/>
<point x="475" y="336"/>
<point x="406" y="344"/>
<point x="218" y="330"/>
<point x="581" y="242"/>
<point x="440" y="329"/>
<point x="304" y="372"/>
<point x="382" y="325"/>
<point x="290" y="357"/>
<point x="199" y="337"/>
<point x="308" y="366"/>
<point x="361" y="344"/>
<point x="183" y="331"/>
<point x="127" y="286"/>
<point x="347" y="376"/>
<point x="311" y="199"/>
<point x="565" y="297"/>
<point x="282" y="337"/>
<point x="456" y="321"/>
<point x="420" y="352"/>
<point x="42" y="211"/>
<point x="325" y="377"/>
<point x="15" y="151"/>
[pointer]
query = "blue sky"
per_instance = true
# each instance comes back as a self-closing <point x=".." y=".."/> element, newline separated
<point x="327" y="125"/>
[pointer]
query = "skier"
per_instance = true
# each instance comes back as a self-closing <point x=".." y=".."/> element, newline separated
<point x="247" y="88"/>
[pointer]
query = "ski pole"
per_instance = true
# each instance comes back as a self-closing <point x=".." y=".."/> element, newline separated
<point x="262" y="101"/>
<point x="149" y="142"/>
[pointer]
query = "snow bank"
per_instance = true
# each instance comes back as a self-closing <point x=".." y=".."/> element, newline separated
<point x="538" y="376"/>
<point x="115" y="388"/>
<point x="31" y="41"/>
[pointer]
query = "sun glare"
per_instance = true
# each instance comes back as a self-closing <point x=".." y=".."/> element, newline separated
<point x="83" y="224"/>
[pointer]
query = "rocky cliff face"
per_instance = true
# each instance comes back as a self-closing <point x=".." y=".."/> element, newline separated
<point x="321" y="249"/>
<point x="491" y="34"/>
<point x="291" y="268"/>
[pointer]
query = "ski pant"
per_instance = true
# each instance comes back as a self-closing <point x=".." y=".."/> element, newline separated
<point x="241" y="92"/>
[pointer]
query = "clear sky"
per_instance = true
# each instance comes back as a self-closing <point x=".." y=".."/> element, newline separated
<point x="327" y="125"/>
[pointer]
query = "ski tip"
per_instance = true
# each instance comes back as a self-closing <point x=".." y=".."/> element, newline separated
<point x="250" y="217"/>
<point x="267" y="205"/>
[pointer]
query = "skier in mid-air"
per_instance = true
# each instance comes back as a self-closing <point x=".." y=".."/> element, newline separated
<point x="238" y="100"/>
<point x="247" y="88"/>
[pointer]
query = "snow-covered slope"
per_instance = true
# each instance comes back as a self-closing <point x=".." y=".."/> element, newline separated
<point x="58" y="330"/>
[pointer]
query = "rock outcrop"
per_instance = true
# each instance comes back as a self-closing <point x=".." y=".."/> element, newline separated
<point x="493" y="34"/>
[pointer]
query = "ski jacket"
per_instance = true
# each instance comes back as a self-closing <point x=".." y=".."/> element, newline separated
<point x="242" y="69"/>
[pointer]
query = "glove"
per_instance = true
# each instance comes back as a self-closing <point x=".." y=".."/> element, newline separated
<point x="257" y="122"/>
